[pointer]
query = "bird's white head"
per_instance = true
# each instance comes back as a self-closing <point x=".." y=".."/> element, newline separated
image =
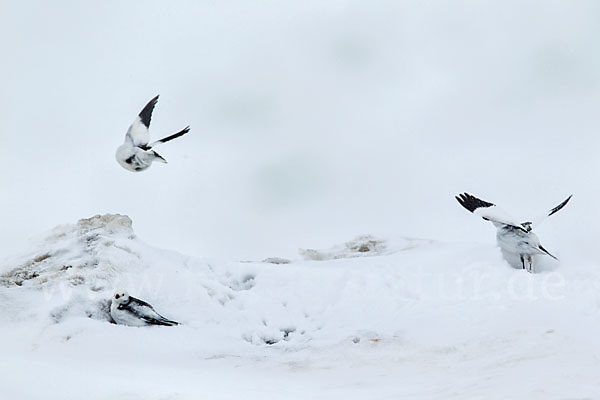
<point x="121" y="296"/>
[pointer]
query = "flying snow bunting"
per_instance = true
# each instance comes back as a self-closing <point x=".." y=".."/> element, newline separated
<point x="516" y="240"/>
<point x="137" y="154"/>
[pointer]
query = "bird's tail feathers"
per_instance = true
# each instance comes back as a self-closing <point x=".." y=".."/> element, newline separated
<point x="546" y="251"/>
<point x="165" y="322"/>
<point x="171" y="137"/>
<point x="162" y="321"/>
<point x="159" y="158"/>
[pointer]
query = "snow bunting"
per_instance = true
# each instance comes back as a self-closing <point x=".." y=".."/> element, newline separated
<point x="516" y="240"/>
<point x="136" y="154"/>
<point x="127" y="310"/>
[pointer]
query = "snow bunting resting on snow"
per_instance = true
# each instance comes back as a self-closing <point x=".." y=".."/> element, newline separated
<point x="516" y="240"/>
<point x="136" y="154"/>
<point x="127" y="310"/>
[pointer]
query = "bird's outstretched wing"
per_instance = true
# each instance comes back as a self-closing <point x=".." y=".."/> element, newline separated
<point x="171" y="137"/>
<point x="146" y="312"/>
<point x="535" y="222"/>
<point x="488" y="211"/>
<point x="138" y="133"/>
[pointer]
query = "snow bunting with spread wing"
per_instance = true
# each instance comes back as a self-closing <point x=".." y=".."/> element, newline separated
<point x="516" y="240"/>
<point x="137" y="154"/>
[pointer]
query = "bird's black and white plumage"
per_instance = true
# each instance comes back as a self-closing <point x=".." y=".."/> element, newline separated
<point x="516" y="239"/>
<point x="136" y="153"/>
<point x="127" y="310"/>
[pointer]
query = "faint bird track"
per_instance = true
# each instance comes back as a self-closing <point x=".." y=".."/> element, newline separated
<point x="245" y="283"/>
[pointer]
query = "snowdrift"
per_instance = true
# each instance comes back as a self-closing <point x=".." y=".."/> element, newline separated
<point x="369" y="317"/>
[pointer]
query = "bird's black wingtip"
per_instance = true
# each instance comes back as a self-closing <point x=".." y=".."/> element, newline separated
<point x="146" y="113"/>
<point x="568" y="198"/>
<point x="181" y="132"/>
<point x="471" y="202"/>
<point x="175" y="135"/>
<point x="560" y="206"/>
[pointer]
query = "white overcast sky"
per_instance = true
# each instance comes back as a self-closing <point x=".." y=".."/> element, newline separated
<point x="312" y="121"/>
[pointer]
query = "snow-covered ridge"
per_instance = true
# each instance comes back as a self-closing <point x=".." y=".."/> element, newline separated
<point x="84" y="262"/>
<point x="73" y="270"/>
<point x="77" y="254"/>
<point x="361" y="246"/>
<point x="75" y="266"/>
<point x="435" y="312"/>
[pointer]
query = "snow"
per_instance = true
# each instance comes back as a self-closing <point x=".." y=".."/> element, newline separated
<point x="403" y="318"/>
<point x="334" y="127"/>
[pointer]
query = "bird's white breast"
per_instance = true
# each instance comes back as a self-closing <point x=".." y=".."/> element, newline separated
<point x="517" y="242"/>
<point x="124" y="317"/>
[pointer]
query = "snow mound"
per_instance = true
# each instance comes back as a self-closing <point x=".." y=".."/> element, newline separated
<point x="369" y="309"/>
<point x="79" y="254"/>
<point x="276" y="260"/>
<point x="361" y="246"/>
<point x="80" y="261"/>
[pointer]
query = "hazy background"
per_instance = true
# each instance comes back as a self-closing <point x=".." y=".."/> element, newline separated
<point x="312" y="121"/>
